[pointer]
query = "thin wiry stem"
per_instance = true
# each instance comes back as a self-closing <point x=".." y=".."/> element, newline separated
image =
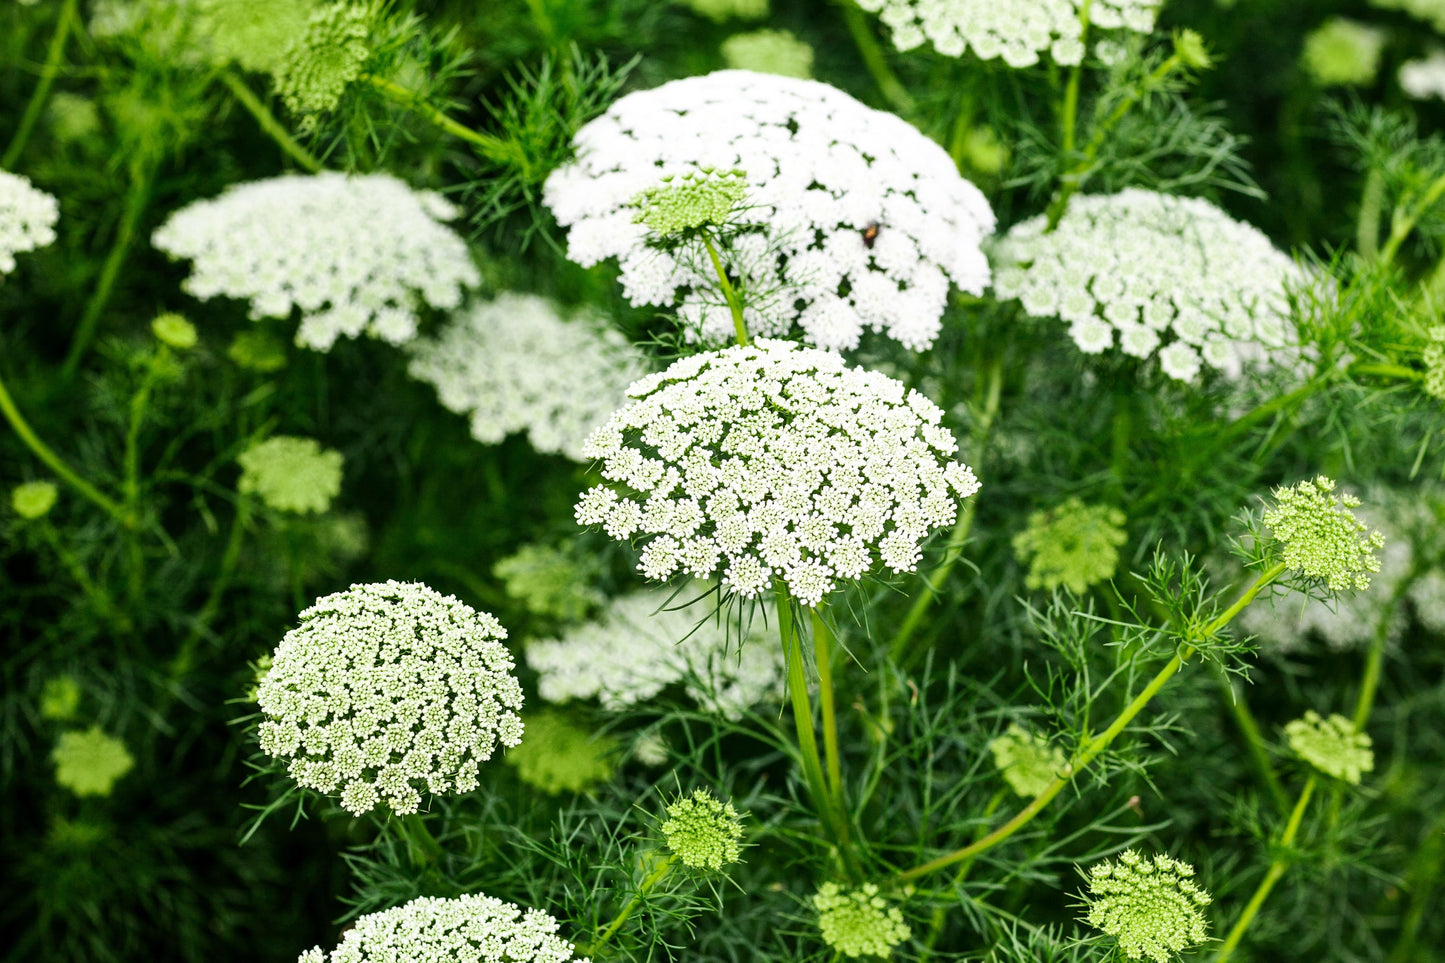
<point x="63" y="24"/>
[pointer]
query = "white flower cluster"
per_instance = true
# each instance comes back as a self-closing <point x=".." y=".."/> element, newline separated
<point x="1017" y="31"/>
<point x="1174" y="276"/>
<point x="27" y="219"/>
<point x="643" y="643"/>
<point x="1424" y="78"/>
<point x="516" y="364"/>
<point x="471" y="927"/>
<point x="353" y="254"/>
<point x="856" y="219"/>
<point x="387" y="686"/>
<point x="775" y="461"/>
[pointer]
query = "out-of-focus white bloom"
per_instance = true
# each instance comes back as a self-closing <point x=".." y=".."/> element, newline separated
<point x="644" y="643"/>
<point x="775" y="461"/>
<point x="1427" y="596"/>
<point x="353" y="254"/>
<point x="857" y="220"/>
<point x="1018" y="31"/>
<point x="516" y="364"/>
<point x="1432" y="11"/>
<point x="431" y="929"/>
<point x="1155" y="275"/>
<point x="1424" y="78"/>
<point x="27" y="219"/>
<point x="386" y="690"/>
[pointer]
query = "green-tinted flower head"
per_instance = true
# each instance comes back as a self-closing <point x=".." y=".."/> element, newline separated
<point x="1434" y="358"/>
<point x="720" y="10"/>
<point x="701" y="198"/>
<point x="257" y="351"/>
<point x="1074" y="545"/>
<point x="551" y="582"/>
<point x="251" y="33"/>
<point x="769" y="52"/>
<point x="259" y="668"/>
<point x="32" y="500"/>
<point x="1331" y="745"/>
<point x="60" y="699"/>
<point x="859" y="922"/>
<point x="1028" y="763"/>
<point x="1343" y="52"/>
<point x="1149" y="904"/>
<point x="556" y="755"/>
<point x="73" y="118"/>
<point x="702" y="831"/>
<point x="1321" y="537"/>
<point x="984" y="151"/>
<point x="328" y="56"/>
<point x="175" y="331"/>
<point x="88" y="763"/>
<point x="291" y="474"/>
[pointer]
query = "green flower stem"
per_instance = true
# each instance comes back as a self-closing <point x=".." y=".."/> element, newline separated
<point x="54" y="462"/>
<point x="268" y="122"/>
<point x="1235" y="702"/>
<point x="933" y="583"/>
<point x="1386" y="370"/>
<point x="823" y="649"/>
<point x="63" y="24"/>
<point x="1403" y="223"/>
<point x="1276" y="869"/>
<point x="422" y="847"/>
<point x="1420" y="882"/>
<point x="1100" y="742"/>
<point x="96" y="594"/>
<point x="735" y="304"/>
<point x="873" y="58"/>
<point x="130" y="485"/>
<point x="664" y="865"/>
<point x="935" y="923"/>
<point x="1374" y="663"/>
<point x="1070" y="111"/>
<point x="185" y="659"/>
<point x="1367" y="225"/>
<point x="497" y="149"/>
<point x="142" y="172"/>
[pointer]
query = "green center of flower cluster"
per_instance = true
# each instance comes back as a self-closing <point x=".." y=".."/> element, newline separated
<point x="704" y="198"/>
<point x="859" y="922"/>
<point x="1074" y="545"/>
<point x="702" y="831"/>
<point x="1149" y="904"/>
<point x="1331" y="745"/>
<point x="88" y="763"/>
<point x="1321" y="537"/>
<point x="291" y="474"/>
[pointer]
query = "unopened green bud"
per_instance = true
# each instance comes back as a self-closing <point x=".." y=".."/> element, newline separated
<point x="32" y="500"/>
<point x="702" y="831"/>
<point x="1190" y="49"/>
<point x="1320" y="536"/>
<point x="173" y="330"/>
<point x="1151" y="905"/>
<point x="89" y="763"/>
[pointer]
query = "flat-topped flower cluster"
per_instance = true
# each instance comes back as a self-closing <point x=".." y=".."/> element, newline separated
<point x="775" y="461"/>
<point x="27" y="218"/>
<point x="856" y="219"/>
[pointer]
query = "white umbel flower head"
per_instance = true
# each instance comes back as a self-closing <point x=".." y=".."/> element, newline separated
<point x="775" y="461"/>
<point x="1154" y="275"/>
<point x="517" y="364"/>
<point x="386" y="690"/>
<point x="860" y="220"/>
<point x="1017" y="31"/>
<point x="353" y="254"/>
<point x="27" y="219"/>
<point x="1424" y="78"/>
<point x="431" y="929"/>
<point x="644" y="643"/>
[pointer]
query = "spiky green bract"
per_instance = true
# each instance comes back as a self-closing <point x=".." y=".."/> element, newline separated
<point x="698" y="199"/>
<point x="472" y="927"/>
<point x="859" y="922"/>
<point x="386" y="690"/>
<point x="703" y="831"/>
<point x="32" y="500"/>
<point x="291" y="474"/>
<point x="174" y="331"/>
<point x="1150" y="904"/>
<point x="89" y="763"/>
<point x="326" y="59"/>
<point x="560" y="756"/>
<point x="769" y="52"/>
<point x="1331" y="745"/>
<point x="1319" y="536"/>
<point x="1074" y="545"/>
<point x="1028" y="763"/>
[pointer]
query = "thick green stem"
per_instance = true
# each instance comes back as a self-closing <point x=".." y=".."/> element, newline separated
<point x="664" y="864"/>
<point x="1367" y="225"/>
<point x="1070" y="112"/>
<point x="268" y="122"/>
<point x="1235" y="702"/>
<point x="63" y="24"/>
<point x="1404" y="223"/>
<point x="1100" y="742"/>
<point x="422" y="847"/>
<point x="823" y="649"/>
<point x="873" y="59"/>
<point x="1276" y="869"/>
<point x="497" y="149"/>
<point x="735" y="304"/>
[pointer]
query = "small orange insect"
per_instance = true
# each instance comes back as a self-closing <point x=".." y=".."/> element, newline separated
<point x="870" y="234"/>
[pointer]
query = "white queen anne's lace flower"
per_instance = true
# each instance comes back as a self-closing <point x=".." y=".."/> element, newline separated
<point x="27" y="219"/>
<point x="388" y="689"/>
<point x="644" y="643"/>
<point x="860" y="220"/>
<point x="353" y="254"/>
<point x="1157" y="275"/>
<point x="1016" y="30"/>
<point x="775" y="461"/>
<point x="516" y="364"/>
<point x="431" y="929"/>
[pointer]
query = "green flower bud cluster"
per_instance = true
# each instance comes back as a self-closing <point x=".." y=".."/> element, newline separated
<point x="1149" y="904"/>
<point x="33" y="500"/>
<point x="702" y="198"/>
<point x="291" y="474"/>
<point x="560" y="756"/>
<point x="252" y="33"/>
<point x="1434" y="358"/>
<point x="257" y="351"/>
<point x="1343" y="52"/>
<point x="551" y="581"/>
<point x="326" y="59"/>
<point x="1028" y="763"/>
<point x="719" y="10"/>
<point x="702" y="831"/>
<point x="1074" y="545"/>
<point x="769" y="52"/>
<point x="60" y="698"/>
<point x="859" y="922"/>
<point x="1321" y="537"/>
<point x="174" y="331"/>
<point x="89" y="763"/>
<point x="1331" y="745"/>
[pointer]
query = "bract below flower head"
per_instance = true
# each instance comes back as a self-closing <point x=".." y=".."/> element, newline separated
<point x="1331" y="745"/>
<point x="386" y="690"/>
<point x="861" y="220"/>
<point x="354" y="254"/>
<point x="27" y="219"/>
<point x="1158" y="275"/>
<point x="431" y="929"/>
<point x="1150" y="904"/>
<point x="775" y="461"/>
